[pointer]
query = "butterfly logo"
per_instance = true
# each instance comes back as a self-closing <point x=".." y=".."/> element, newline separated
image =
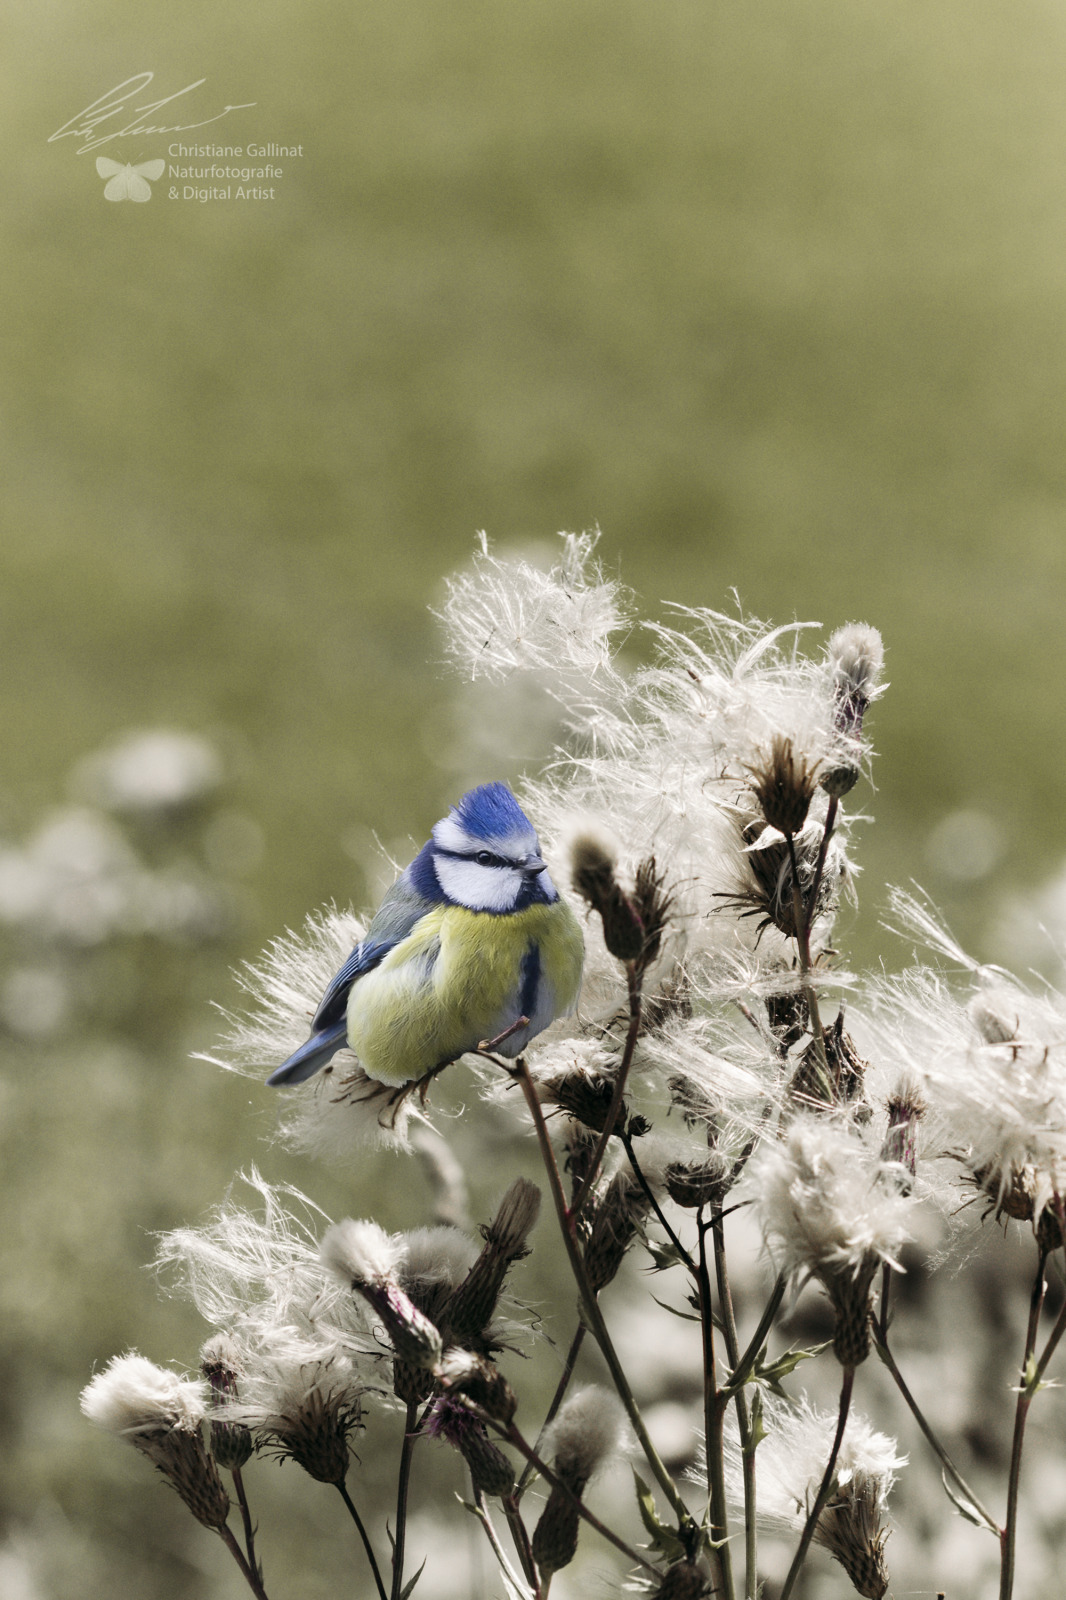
<point x="128" y="182"/>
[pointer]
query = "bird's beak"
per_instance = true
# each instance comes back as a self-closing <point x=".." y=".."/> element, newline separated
<point x="534" y="864"/>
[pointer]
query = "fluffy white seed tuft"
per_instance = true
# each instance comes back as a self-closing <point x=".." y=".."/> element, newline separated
<point x="132" y="1395"/>
<point x="588" y="1431"/>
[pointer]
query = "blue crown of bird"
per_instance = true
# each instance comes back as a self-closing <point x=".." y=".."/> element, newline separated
<point x="472" y="938"/>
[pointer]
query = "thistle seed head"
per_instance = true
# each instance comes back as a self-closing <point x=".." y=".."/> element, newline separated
<point x="583" y="1093"/>
<point x="490" y="1470"/>
<point x="463" y="1372"/>
<point x="470" y="1309"/>
<point x="847" y="1074"/>
<point x="231" y="1442"/>
<point x="784" y="785"/>
<point x="619" y="1212"/>
<point x="160" y="1415"/>
<point x="850" y="1528"/>
<point x="683" y="1581"/>
<point x="555" y="1536"/>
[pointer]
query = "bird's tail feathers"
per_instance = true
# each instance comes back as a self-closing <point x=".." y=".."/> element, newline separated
<point x="305" y="1062"/>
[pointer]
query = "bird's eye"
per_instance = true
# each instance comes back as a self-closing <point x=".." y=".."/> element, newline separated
<point x="485" y="858"/>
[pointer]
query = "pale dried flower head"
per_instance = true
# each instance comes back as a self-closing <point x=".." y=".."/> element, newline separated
<point x="790" y="1460"/>
<point x="160" y="1414"/>
<point x="304" y="1405"/>
<point x="588" y="1433"/>
<point x="133" y="1395"/>
<point x="364" y="1256"/>
<point x="829" y="1209"/>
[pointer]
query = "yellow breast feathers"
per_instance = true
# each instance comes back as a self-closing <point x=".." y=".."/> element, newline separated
<point x="460" y="977"/>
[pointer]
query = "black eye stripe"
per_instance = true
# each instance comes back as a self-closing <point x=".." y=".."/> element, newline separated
<point x="483" y="858"/>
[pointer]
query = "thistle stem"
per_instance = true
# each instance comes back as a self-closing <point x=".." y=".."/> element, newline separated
<point x="589" y="1305"/>
<point x="747" y="1454"/>
<point x="520" y="1536"/>
<point x="250" y="1573"/>
<point x="881" y="1346"/>
<point x="627" y="1145"/>
<point x="557" y="1399"/>
<point x="744" y="1368"/>
<point x="633" y="980"/>
<point x="367" y="1546"/>
<point x="1030" y="1382"/>
<point x="403" y="1483"/>
<point x="481" y="1511"/>
<point x="825" y="1487"/>
<point x="803" y="918"/>
<point x="823" y="851"/>
<point x="246" y="1516"/>
<point x="714" y="1408"/>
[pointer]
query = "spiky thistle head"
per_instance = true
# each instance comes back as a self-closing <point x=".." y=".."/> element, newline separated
<point x="160" y="1414"/>
<point x="829" y="1209"/>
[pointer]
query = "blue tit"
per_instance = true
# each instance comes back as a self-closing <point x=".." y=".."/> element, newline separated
<point x="471" y="937"/>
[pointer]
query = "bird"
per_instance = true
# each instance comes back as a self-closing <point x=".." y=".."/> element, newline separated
<point x="472" y="944"/>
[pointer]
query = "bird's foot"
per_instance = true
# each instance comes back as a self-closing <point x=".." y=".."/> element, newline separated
<point x="488" y="1045"/>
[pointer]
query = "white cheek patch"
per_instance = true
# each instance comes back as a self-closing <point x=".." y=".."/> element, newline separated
<point x="476" y="887"/>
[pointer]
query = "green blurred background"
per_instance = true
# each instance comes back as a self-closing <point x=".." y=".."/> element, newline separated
<point x="774" y="293"/>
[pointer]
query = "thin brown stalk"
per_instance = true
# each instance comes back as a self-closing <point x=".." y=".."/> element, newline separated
<point x="826" y="1486"/>
<point x="683" y="1254"/>
<point x="589" y="1305"/>
<point x="520" y="1536"/>
<point x="557" y="1399"/>
<point x="881" y="1345"/>
<point x="246" y="1516"/>
<point x="525" y="1554"/>
<point x="403" y="1484"/>
<point x="364" y="1536"/>
<point x="803" y="918"/>
<point x="251" y="1574"/>
<point x="1027" y="1388"/>
<point x="633" y="980"/>
<point x="714" y="1406"/>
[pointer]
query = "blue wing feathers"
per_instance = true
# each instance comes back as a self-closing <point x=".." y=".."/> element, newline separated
<point x="333" y="1005"/>
<point x="396" y="916"/>
<point x="306" y="1061"/>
